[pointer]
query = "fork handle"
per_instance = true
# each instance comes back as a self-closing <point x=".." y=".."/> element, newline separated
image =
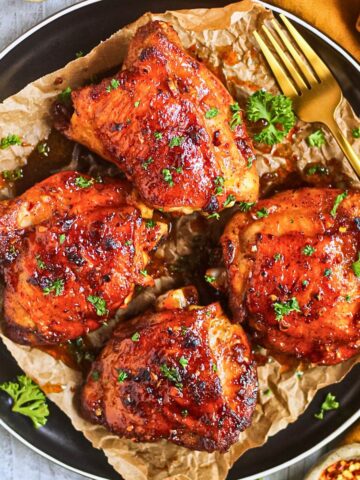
<point x="345" y="146"/>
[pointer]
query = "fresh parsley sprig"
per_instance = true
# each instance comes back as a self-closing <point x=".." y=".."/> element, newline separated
<point x="276" y="111"/>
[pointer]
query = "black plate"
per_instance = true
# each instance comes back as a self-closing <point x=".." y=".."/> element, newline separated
<point x="52" y="46"/>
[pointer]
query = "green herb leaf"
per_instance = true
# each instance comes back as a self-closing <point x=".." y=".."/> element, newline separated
<point x="43" y="149"/>
<point x="57" y="287"/>
<point x="276" y="111"/>
<point x="183" y="361"/>
<point x="99" y="304"/>
<point x="122" y="376"/>
<point x="317" y="169"/>
<point x="171" y="374"/>
<point x="158" y="135"/>
<point x="184" y="413"/>
<point x="135" y="337"/>
<point x="147" y="162"/>
<point x="167" y="176"/>
<point x="83" y="182"/>
<point x="236" y="115"/>
<point x="214" y="215"/>
<point x="62" y="238"/>
<point x="95" y="375"/>
<point x="144" y="273"/>
<point x="28" y="399"/>
<point x="229" y="199"/>
<point x="65" y="95"/>
<point x="262" y="213"/>
<point x="211" y="113"/>
<point x="327" y="272"/>
<point x="308" y="250"/>
<point x="329" y="403"/>
<point x="79" y="54"/>
<point x="278" y="257"/>
<point x="12" y="175"/>
<point x="337" y="202"/>
<point x="6" y="142"/>
<point x="176" y="141"/>
<point x="356" y="132"/>
<point x="114" y="84"/>
<point x="245" y="206"/>
<point x="209" y="278"/>
<point x="356" y="267"/>
<point x="150" y="224"/>
<point x="286" y="308"/>
<point x="40" y="263"/>
<point x="136" y="104"/>
<point x="214" y="367"/>
<point x="316" y="139"/>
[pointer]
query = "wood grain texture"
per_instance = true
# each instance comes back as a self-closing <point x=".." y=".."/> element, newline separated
<point x="18" y="461"/>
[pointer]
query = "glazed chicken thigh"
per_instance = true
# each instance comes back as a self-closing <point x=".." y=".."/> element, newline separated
<point x="73" y="250"/>
<point x="185" y="375"/>
<point x="293" y="267"/>
<point x="170" y="125"/>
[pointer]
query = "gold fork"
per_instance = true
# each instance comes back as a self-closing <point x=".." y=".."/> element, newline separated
<point x="314" y="91"/>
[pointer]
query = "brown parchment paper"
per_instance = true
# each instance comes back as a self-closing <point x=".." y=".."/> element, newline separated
<point x="223" y="39"/>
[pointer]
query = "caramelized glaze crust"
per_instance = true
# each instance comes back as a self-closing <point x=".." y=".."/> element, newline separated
<point x="302" y="257"/>
<point x="182" y="375"/>
<point x="152" y="120"/>
<point x="77" y="257"/>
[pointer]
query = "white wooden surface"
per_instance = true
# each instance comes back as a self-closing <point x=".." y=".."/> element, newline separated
<point x="18" y="462"/>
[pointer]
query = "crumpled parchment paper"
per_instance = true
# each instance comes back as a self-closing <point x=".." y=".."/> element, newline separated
<point x="223" y="39"/>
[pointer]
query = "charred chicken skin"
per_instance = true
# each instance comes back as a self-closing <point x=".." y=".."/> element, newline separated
<point x="294" y="272"/>
<point x="77" y="249"/>
<point x="185" y="375"/>
<point x="170" y="125"/>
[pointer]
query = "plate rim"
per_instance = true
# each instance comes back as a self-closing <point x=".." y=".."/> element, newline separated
<point x="355" y="64"/>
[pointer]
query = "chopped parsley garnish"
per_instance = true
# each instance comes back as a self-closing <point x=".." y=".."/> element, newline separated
<point x="167" y="176"/>
<point x="278" y="257"/>
<point x="40" y="263"/>
<point x="128" y="243"/>
<point x="12" y="175"/>
<point x="176" y="141"/>
<point x="348" y="297"/>
<point x="209" y="278"/>
<point x="356" y="267"/>
<point x="356" y="132"/>
<point x="250" y="161"/>
<point x="135" y="337"/>
<point x="150" y="224"/>
<point x="62" y="238"/>
<point x="171" y="374"/>
<point x="95" y="375"/>
<point x="183" y="361"/>
<point x="144" y="273"/>
<point x="122" y="376"/>
<point x="229" y="199"/>
<point x="327" y="272"/>
<point x="147" y="162"/>
<point x="136" y="104"/>
<point x="211" y="113"/>
<point x="83" y="182"/>
<point x="267" y="392"/>
<point x="316" y="139"/>
<point x="299" y="374"/>
<point x="184" y="413"/>
<point x="28" y="399"/>
<point x="308" y="250"/>
<point x="214" y="367"/>
<point x="6" y="142"/>
<point x="337" y="202"/>
<point x="184" y="330"/>
<point x="65" y="95"/>
<point x="305" y="283"/>
<point x="158" y="135"/>
<point x="56" y="287"/>
<point x="262" y="213"/>
<point x="214" y="215"/>
<point x="114" y="84"/>
<point x="317" y="169"/>
<point x="43" y="149"/>
<point x="99" y="304"/>
<point x="329" y="403"/>
<point x="276" y="110"/>
<point x="178" y="169"/>
<point x="79" y="54"/>
<point x="236" y="115"/>
<point x="285" y="308"/>
<point x="245" y="206"/>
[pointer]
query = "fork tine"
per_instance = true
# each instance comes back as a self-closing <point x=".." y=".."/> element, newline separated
<point x="315" y="61"/>
<point x="290" y="67"/>
<point x="286" y="86"/>
<point x="299" y="61"/>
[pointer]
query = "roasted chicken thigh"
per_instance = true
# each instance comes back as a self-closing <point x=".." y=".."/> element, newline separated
<point x="73" y="250"/>
<point x="185" y="375"/>
<point x="169" y="124"/>
<point x="293" y="267"/>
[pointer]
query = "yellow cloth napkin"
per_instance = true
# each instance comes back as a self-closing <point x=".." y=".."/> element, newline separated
<point x="339" y="19"/>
